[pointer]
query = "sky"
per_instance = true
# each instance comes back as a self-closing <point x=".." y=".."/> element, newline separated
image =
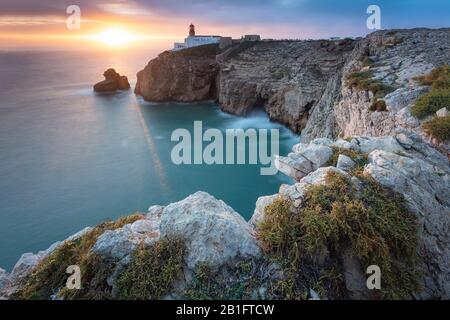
<point x="42" y="23"/>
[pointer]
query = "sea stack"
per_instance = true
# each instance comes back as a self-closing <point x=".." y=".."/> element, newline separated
<point x="112" y="83"/>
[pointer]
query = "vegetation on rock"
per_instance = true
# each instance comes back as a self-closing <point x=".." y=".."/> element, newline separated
<point x="378" y="105"/>
<point x="49" y="276"/>
<point x="364" y="81"/>
<point x="367" y="219"/>
<point x="360" y="159"/>
<point x="438" y="97"/>
<point x="438" y="128"/>
<point x="237" y="282"/>
<point x="152" y="271"/>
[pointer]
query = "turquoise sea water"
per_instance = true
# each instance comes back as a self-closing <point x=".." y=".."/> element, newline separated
<point x="70" y="158"/>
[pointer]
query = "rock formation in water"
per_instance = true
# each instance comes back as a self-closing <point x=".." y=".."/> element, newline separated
<point x="113" y="82"/>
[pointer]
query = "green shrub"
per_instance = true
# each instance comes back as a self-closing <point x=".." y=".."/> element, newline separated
<point x="49" y="277"/>
<point x="378" y="105"/>
<point x="364" y="81"/>
<point x="438" y="97"/>
<point x="373" y="222"/>
<point x="438" y="128"/>
<point x="152" y="271"/>
<point x="431" y="102"/>
<point x="367" y="61"/>
<point x="438" y="78"/>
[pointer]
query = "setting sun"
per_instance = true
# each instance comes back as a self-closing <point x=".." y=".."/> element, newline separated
<point x="115" y="37"/>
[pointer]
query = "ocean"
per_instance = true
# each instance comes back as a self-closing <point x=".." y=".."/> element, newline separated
<point x="70" y="158"/>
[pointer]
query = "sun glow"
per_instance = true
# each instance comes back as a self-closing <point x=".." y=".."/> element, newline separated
<point x="115" y="37"/>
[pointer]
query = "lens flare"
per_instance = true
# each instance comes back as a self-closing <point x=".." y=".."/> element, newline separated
<point x="115" y="37"/>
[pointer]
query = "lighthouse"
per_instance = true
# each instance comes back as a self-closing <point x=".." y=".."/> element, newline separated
<point x="194" y="41"/>
<point x="191" y="30"/>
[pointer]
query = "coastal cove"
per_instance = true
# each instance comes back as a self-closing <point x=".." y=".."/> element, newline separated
<point x="83" y="158"/>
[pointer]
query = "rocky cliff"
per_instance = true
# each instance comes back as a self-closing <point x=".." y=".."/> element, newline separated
<point x="186" y="76"/>
<point x="379" y="197"/>
<point x="305" y="84"/>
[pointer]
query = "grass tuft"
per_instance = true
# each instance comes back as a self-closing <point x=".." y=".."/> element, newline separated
<point x="360" y="159"/>
<point x="438" y="97"/>
<point x="152" y="271"/>
<point x="438" y="128"/>
<point x="438" y="78"/>
<point x="364" y="81"/>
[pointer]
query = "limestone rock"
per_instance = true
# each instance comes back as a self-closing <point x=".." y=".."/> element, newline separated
<point x="122" y="242"/>
<point x="399" y="56"/>
<point x="442" y="113"/>
<point x="24" y="265"/>
<point x="345" y="163"/>
<point x="293" y="81"/>
<point x="185" y="76"/>
<point x="3" y="278"/>
<point x="367" y="145"/>
<point x="214" y="233"/>
<point x="112" y="83"/>
<point x="261" y="205"/>
<point x="306" y="159"/>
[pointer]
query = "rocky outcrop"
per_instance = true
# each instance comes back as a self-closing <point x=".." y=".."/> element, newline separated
<point x="185" y="76"/>
<point x="215" y="234"/>
<point x="408" y="165"/>
<point x="396" y="57"/>
<point x="290" y="80"/>
<point x="303" y="84"/>
<point x="121" y="243"/>
<point x="112" y="83"/>
<point x="9" y="283"/>
<point x="304" y="159"/>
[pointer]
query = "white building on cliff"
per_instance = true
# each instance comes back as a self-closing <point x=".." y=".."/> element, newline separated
<point x="194" y="41"/>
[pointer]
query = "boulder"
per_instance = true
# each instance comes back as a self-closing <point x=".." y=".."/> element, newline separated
<point x="345" y="163"/>
<point x="112" y="83"/>
<point x="369" y="144"/>
<point x="24" y="265"/>
<point x="214" y="233"/>
<point x="261" y="205"/>
<point x="121" y="243"/>
<point x="305" y="159"/>
<point x="442" y="113"/>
